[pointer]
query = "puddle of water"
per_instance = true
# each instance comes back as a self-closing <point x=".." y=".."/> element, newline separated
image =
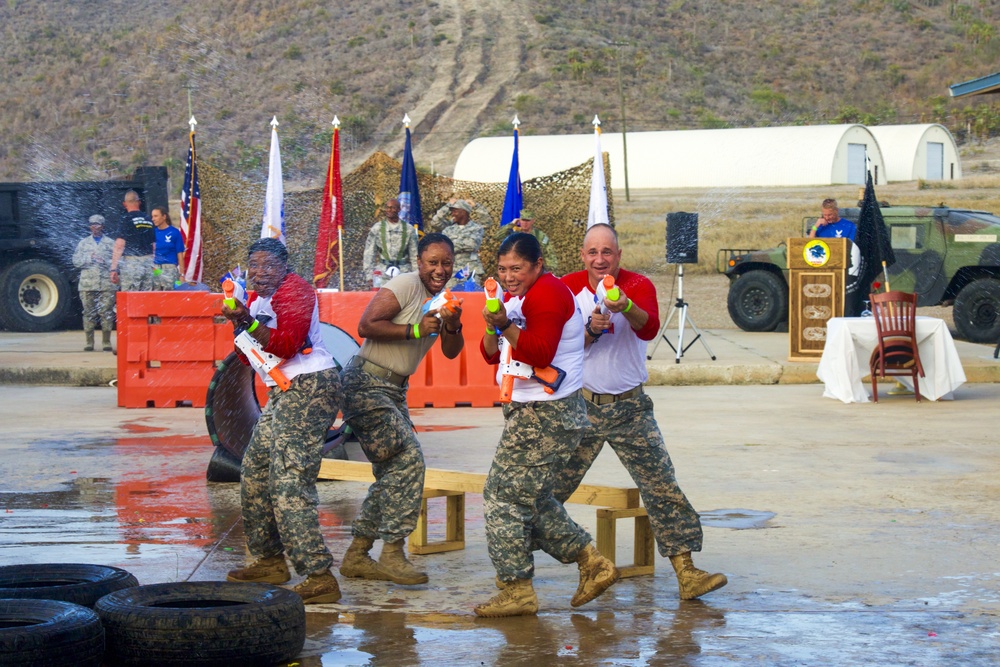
<point x="737" y="519"/>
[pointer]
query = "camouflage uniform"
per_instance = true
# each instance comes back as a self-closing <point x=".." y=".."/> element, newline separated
<point x="97" y="292"/>
<point x="384" y="248"/>
<point x="167" y="278"/>
<point x="376" y="411"/>
<point x="135" y="273"/>
<point x="280" y="467"/>
<point x="467" y="239"/>
<point x="538" y="439"/>
<point x="629" y="427"/>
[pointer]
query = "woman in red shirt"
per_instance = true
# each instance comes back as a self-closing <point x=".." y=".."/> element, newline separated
<point x="538" y="321"/>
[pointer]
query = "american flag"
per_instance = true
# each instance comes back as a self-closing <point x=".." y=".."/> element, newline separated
<point x="191" y="217"/>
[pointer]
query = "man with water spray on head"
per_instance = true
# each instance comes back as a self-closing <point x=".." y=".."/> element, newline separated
<point x="619" y="323"/>
<point x="278" y="476"/>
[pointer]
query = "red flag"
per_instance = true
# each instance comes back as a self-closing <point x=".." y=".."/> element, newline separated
<point x="331" y="220"/>
<point x="191" y="217"/>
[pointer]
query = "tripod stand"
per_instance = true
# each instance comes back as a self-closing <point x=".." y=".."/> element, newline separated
<point x="680" y="308"/>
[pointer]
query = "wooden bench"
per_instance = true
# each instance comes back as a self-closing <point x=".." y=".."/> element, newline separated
<point x="614" y="503"/>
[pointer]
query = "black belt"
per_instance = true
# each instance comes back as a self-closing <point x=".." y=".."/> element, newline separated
<point x="605" y="399"/>
<point x="378" y="371"/>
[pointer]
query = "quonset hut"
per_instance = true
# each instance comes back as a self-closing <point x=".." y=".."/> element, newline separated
<point x="915" y="152"/>
<point x="760" y="156"/>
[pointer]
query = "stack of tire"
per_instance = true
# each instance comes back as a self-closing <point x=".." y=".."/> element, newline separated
<point x="76" y="614"/>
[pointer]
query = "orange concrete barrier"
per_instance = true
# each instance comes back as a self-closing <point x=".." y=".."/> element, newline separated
<point x="168" y="346"/>
<point x="438" y="381"/>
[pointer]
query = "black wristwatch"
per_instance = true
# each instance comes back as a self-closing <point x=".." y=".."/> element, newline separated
<point x="590" y="332"/>
<point x="506" y="326"/>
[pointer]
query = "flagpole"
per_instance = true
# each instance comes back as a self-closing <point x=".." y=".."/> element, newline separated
<point x="340" y="250"/>
<point x="340" y="230"/>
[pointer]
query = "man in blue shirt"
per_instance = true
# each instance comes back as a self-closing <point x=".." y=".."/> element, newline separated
<point x="831" y="225"/>
<point x="169" y="255"/>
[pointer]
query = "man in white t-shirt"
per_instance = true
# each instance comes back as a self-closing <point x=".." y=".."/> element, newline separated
<point x="621" y="414"/>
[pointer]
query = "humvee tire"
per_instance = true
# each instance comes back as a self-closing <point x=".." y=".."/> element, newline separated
<point x="758" y="301"/>
<point x="977" y="311"/>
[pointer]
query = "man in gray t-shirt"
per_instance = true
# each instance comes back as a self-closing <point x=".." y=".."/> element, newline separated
<point x="398" y="332"/>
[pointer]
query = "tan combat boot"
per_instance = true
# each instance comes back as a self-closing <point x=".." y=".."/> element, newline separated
<point x="597" y="574"/>
<point x="357" y="563"/>
<point x="319" y="588"/>
<point x="271" y="570"/>
<point x="106" y="340"/>
<point x="516" y="598"/>
<point x="692" y="582"/>
<point x="89" y="347"/>
<point x="393" y="565"/>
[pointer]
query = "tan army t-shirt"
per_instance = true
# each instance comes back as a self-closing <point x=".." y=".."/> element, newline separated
<point x="402" y="356"/>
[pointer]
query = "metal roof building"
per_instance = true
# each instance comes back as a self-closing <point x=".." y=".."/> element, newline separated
<point x="914" y="152"/>
<point x="765" y="156"/>
<point x="980" y="86"/>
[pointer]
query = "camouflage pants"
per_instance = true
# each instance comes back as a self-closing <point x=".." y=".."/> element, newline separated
<point x="165" y="279"/>
<point x="135" y="273"/>
<point x="376" y="412"/>
<point x="280" y="466"/>
<point x="538" y="439"/>
<point x="629" y="427"/>
<point x="98" y="306"/>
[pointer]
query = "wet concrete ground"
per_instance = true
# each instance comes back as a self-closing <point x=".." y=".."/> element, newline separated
<point x="851" y="534"/>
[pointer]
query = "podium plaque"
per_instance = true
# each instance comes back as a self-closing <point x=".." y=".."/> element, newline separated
<point x="817" y="274"/>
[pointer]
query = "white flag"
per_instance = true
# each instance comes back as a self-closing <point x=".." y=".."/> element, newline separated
<point x="598" y="188"/>
<point x="274" y="201"/>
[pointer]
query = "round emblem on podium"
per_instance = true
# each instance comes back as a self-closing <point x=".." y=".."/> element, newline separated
<point x="816" y="253"/>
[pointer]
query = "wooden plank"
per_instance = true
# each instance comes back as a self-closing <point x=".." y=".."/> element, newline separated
<point x="473" y="482"/>
<point x="455" y="519"/>
<point x="606" y="537"/>
<point x="347" y="471"/>
<point x="621" y="513"/>
<point x="645" y="545"/>
<point x="436" y="547"/>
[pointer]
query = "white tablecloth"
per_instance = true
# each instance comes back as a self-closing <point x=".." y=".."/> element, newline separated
<point x="849" y="344"/>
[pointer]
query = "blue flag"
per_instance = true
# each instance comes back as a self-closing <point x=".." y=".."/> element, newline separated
<point x="512" y="201"/>
<point x="409" y="192"/>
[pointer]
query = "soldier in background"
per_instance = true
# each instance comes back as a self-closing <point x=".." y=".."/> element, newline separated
<point x="526" y="224"/>
<point x="169" y="256"/>
<point x="97" y="292"/>
<point x="467" y="236"/>
<point x="135" y="243"/>
<point x="621" y="414"/>
<point x="391" y="247"/>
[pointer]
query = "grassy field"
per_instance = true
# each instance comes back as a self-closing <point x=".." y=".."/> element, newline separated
<point x="764" y="217"/>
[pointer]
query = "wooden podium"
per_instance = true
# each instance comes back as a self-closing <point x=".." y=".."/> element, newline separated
<point x="817" y="274"/>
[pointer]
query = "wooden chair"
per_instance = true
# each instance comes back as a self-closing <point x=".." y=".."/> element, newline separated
<point x="895" y="316"/>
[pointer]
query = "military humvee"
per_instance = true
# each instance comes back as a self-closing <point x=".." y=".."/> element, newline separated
<point x="946" y="256"/>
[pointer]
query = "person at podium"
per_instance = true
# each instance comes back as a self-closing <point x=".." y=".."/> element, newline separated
<point x="830" y="225"/>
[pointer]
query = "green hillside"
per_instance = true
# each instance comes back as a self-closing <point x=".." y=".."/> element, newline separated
<point x="93" y="88"/>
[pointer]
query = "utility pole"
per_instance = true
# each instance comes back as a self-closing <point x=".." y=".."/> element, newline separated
<point x="621" y="97"/>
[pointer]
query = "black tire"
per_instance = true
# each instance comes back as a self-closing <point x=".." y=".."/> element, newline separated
<point x="34" y="296"/>
<point x="977" y="311"/>
<point x="68" y="582"/>
<point x="223" y="467"/>
<point x="49" y="633"/>
<point x="203" y="623"/>
<point x="758" y="301"/>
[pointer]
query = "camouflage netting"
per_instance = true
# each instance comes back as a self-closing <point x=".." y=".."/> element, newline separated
<point x="232" y="211"/>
